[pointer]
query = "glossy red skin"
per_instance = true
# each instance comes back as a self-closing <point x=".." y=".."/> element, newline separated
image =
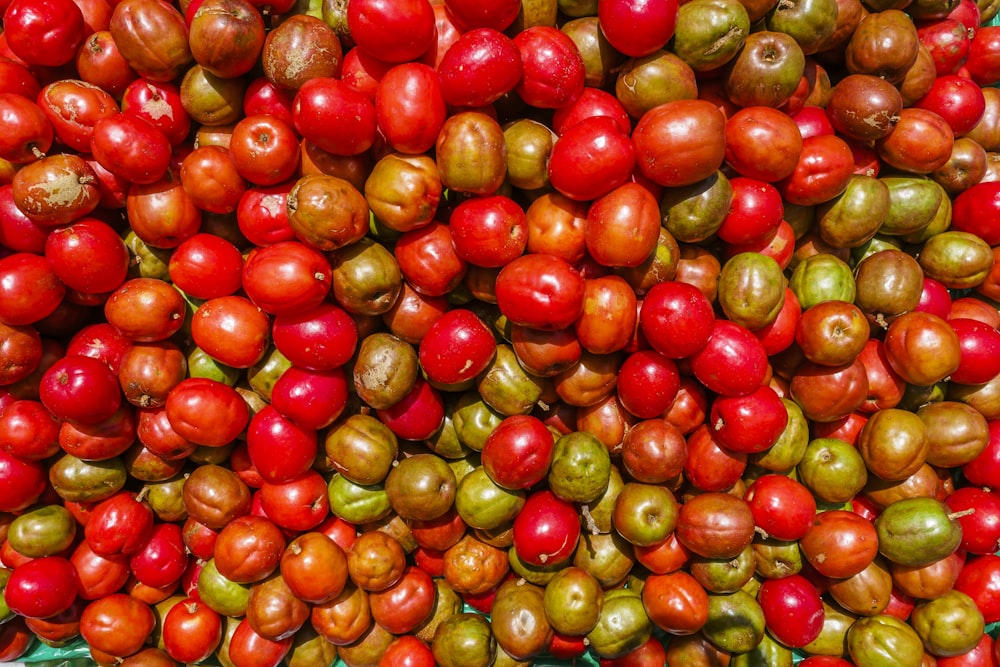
<point x="88" y="256"/>
<point x="28" y="431"/>
<point x="28" y="133"/>
<point x="428" y="259"/>
<point x="206" y="411"/>
<point x="45" y="33"/>
<point x="553" y="69"/>
<point x="24" y="480"/>
<point x="456" y="348"/>
<point x="29" y="289"/>
<point x="984" y="470"/>
<point x="732" y="363"/>
<point x="650" y="654"/>
<point x="191" y="631"/>
<point x="934" y="298"/>
<point x="119" y="525"/>
<point x="980" y="580"/>
<point x="709" y="466"/>
<point x="812" y="120"/>
<point x="159" y="103"/>
<point x="73" y="107"/>
<point x="755" y="212"/>
<point x="983" y="65"/>
<point x="18" y="233"/>
<point x="118" y="624"/>
<point x="299" y="505"/>
<point x="162" y="559"/>
<point x="232" y="330"/>
<point x="470" y="14"/>
<point x="479" y="68"/>
<point x="825" y="166"/>
<point x="980" y="345"/>
<point x="279" y="449"/>
<point x="206" y="266"/>
<point x="287" y="278"/>
<point x="750" y="423"/>
<point x="981" y="528"/>
<point x="488" y="231"/>
<point x="648" y="382"/>
<point x="98" y="575"/>
<point x="591" y="102"/>
<point x="541" y="291"/>
<point x="262" y="214"/>
<point x="518" y="452"/>
<point x="247" y="647"/>
<point x="131" y="147"/>
<point x="982" y="655"/>
<point x="17" y="78"/>
<point x="418" y="415"/>
<point x="312" y="399"/>
<point x="591" y="158"/>
<point x="781" y="506"/>
<point x="334" y="116"/>
<point x="792" y="609"/>
<point x="406" y="604"/>
<point x="265" y="97"/>
<point x="974" y="209"/>
<point x="956" y="99"/>
<point x="322" y="339"/>
<point x="749" y="130"/>
<point x="362" y="72"/>
<point x="407" y="651"/>
<point x="546" y="530"/>
<point x="42" y="587"/>
<point x="80" y="388"/>
<point x="780" y="334"/>
<point x="949" y="43"/>
<point x="394" y="31"/>
<point x="638" y="27"/>
<point x="676" y="318"/>
<point x="265" y="149"/>
<point x="410" y="108"/>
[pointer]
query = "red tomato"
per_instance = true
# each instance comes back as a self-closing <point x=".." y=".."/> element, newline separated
<point x="418" y="415"/>
<point x="334" y="116"/>
<point x="488" y="231"/>
<point x="265" y="149"/>
<point x="206" y="411"/>
<point x="231" y="330"/>
<point x="322" y="339"/>
<point x="981" y="528"/>
<point x="546" y="530"/>
<point x="554" y="74"/>
<point x="23" y="482"/>
<point x="131" y="147"/>
<point x="675" y="602"/>
<point x="299" y="505"/>
<point x="80" y="389"/>
<point x="975" y="207"/>
<point x="118" y="624"/>
<point x="980" y="345"/>
<point x="42" y="588"/>
<point x="479" y="68"/>
<point x="405" y="604"/>
<point x="191" y="631"/>
<point x="28" y="430"/>
<point x="262" y="214"/>
<point x="591" y="102"/>
<point x="980" y="580"/>
<point x="781" y="506"/>
<point x="279" y="449"/>
<point x="29" y="289"/>
<point x="518" y="452"/>
<point x="985" y="468"/>
<point x="824" y="168"/>
<point x="159" y="103"/>
<point x="648" y="382"/>
<point x="394" y="31"/>
<point x="755" y="212"/>
<point x="733" y="362"/>
<point x="792" y="609"/>
<point x="469" y="14"/>
<point x="312" y="399"/>
<point x="206" y="266"/>
<point x="287" y="278"/>
<point x="956" y="99"/>
<point x="44" y="33"/>
<point x="410" y="108"/>
<point x="592" y="157"/>
<point x="637" y="27"/>
<point x="162" y="559"/>
<point x="407" y="651"/>
<point x="676" y="318"/>
<point x="429" y="260"/>
<point x="457" y="348"/>
<point x="541" y="291"/>
<point x="119" y="525"/>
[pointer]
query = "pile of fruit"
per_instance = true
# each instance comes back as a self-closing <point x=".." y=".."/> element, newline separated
<point x="500" y="332"/>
